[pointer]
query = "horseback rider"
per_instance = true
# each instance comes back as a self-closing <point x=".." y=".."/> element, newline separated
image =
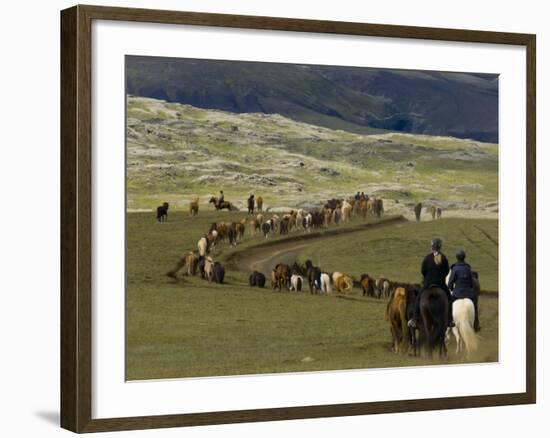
<point x="220" y="199"/>
<point x="435" y="268"/>
<point x="357" y="196"/>
<point x="462" y="285"/>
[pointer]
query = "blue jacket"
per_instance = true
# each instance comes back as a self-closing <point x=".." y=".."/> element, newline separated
<point x="460" y="281"/>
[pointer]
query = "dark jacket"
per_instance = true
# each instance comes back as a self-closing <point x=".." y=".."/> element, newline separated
<point x="433" y="273"/>
<point x="460" y="281"/>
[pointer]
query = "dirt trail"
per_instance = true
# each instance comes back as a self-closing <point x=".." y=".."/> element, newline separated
<point x="265" y="256"/>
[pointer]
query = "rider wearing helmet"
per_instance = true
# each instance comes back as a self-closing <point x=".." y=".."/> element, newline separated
<point x="435" y="268"/>
<point x="461" y="284"/>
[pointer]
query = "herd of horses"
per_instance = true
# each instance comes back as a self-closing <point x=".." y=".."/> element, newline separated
<point x="430" y="334"/>
<point x="334" y="211"/>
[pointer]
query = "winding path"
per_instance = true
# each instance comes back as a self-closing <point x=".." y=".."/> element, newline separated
<point x="264" y="256"/>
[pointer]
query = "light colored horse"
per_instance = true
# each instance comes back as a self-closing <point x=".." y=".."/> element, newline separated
<point x="342" y="282"/>
<point x="209" y="268"/>
<point x="346" y="211"/>
<point x="296" y="283"/>
<point x="202" y="245"/>
<point x="325" y="283"/>
<point x="308" y="221"/>
<point x="467" y="340"/>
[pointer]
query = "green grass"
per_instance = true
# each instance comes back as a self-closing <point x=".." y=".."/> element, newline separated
<point x="194" y="328"/>
<point x="397" y="252"/>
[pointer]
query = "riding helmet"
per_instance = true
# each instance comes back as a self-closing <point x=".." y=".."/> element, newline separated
<point x="461" y="255"/>
<point x="436" y="243"/>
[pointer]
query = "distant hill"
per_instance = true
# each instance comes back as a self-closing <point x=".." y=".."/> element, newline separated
<point x="360" y="100"/>
<point x="178" y="152"/>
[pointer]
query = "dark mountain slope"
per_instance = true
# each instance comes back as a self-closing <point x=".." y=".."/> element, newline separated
<point x="359" y="100"/>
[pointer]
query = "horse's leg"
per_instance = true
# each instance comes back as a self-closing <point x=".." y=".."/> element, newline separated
<point x="392" y="340"/>
<point x="412" y="334"/>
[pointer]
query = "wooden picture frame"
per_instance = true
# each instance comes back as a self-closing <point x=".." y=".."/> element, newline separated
<point x="76" y="217"/>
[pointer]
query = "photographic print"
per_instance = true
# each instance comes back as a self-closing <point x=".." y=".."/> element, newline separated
<point x="297" y="218"/>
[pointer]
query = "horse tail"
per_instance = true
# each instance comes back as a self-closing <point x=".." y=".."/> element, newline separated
<point x="348" y="284"/>
<point x="388" y="307"/>
<point x="404" y="323"/>
<point x="464" y="321"/>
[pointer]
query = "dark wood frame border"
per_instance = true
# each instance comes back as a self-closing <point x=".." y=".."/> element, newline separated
<point x="76" y="173"/>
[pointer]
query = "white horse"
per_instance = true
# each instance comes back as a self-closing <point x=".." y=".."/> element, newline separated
<point x="467" y="340"/>
<point x="325" y="283"/>
<point x="307" y="222"/>
<point x="296" y="283"/>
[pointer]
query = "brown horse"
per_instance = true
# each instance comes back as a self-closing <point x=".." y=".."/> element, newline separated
<point x="282" y="276"/>
<point x="378" y="207"/>
<point x="240" y="230"/>
<point x="273" y="280"/>
<point x="368" y="285"/>
<point x="194" y="207"/>
<point x="363" y="208"/>
<point x="189" y="261"/>
<point x="222" y="229"/>
<point x="434" y="309"/>
<point x="260" y="203"/>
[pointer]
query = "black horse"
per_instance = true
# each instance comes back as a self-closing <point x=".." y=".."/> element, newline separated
<point x="298" y="269"/>
<point x="283" y="226"/>
<point x="313" y="276"/>
<point x="162" y="212"/>
<point x="232" y="234"/>
<point x="256" y="279"/>
<point x="219" y="272"/>
<point x="434" y="309"/>
<point x="250" y="203"/>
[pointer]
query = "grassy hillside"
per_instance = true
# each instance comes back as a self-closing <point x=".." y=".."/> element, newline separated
<point x="176" y="152"/>
<point x="196" y="328"/>
<point x="397" y="252"/>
